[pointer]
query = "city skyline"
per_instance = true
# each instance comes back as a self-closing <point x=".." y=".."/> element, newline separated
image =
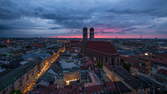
<point x="66" y="18"/>
<point x="84" y="65"/>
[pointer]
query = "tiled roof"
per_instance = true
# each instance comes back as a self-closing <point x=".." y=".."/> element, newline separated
<point x="160" y="61"/>
<point x="130" y="59"/>
<point x="126" y="76"/>
<point x="101" y="47"/>
<point x="93" y="89"/>
<point x="52" y="90"/>
<point x="37" y="45"/>
<point x="75" y="43"/>
<point x="107" y="87"/>
<point x="162" y="71"/>
<point x="87" y="64"/>
<point x="163" y="55"/>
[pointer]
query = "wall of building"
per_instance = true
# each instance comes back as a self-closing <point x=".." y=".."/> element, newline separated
<point x="25" y="82"/>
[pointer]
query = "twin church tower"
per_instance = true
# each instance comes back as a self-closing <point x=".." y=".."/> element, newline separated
<point x="91" y="34"/>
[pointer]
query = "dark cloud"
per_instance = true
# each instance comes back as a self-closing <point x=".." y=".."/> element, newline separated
<point x="5" y="27"/>
<point x="66" y="16"/>
<point x="6" y="14"/>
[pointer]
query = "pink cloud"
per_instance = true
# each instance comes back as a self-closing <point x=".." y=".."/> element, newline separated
<point x="114" y="36"/>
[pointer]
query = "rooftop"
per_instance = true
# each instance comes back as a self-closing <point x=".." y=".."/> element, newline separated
<point x="102" y="47"/>
<point x="108" y="87"/>
<point x="163" y="71"/>
<point x="12" y="76"/>
<point x="65" y="65"/>
<point x="127" y="77"/>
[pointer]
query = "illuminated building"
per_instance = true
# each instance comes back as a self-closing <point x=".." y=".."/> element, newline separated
<point x="24" y="78"/>
<point x="71" y="76"/>
<point x="20" y="78"/>
<point x="70" y="71"/>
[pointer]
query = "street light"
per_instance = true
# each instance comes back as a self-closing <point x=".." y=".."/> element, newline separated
<point x="146" y="54"/>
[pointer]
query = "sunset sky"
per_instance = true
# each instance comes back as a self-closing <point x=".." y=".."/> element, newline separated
<point x="66" y="18"/>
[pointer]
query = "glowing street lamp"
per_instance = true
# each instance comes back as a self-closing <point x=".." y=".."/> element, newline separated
<point x="146" y="54"/>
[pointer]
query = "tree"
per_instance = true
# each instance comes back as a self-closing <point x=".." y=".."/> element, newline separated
<point x="127" y="66"/>
<point x="16" y="92"/>
<point x="100" y="65"/>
